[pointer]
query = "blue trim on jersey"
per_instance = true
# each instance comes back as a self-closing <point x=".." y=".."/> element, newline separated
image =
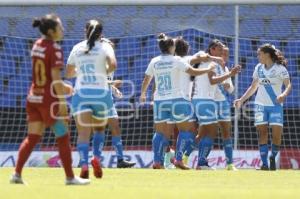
<point x="268" y="87"/>
<point x="220" y="86"/>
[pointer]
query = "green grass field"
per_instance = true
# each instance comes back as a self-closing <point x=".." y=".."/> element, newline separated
<point x="48" y="183"/>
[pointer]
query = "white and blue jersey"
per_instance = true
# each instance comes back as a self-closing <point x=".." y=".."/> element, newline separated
<point x="187" y="84"/>
<point x="267" y="110"/>
<point x="204" y="98"/>
<point x="171" y="104"/>
<point x="92" y="92"/>
<point x="223" y="105"/>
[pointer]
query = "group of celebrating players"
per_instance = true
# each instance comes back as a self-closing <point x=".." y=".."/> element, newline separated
<point x="190" y="95"/>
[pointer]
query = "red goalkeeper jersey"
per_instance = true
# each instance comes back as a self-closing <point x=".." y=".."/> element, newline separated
<point x="46" y="55"/>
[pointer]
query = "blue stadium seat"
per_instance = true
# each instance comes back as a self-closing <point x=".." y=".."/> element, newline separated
<point x="150" y="11"/>
<point x="246" y="11"/>
<point x="141" y="26"/>
<point x="167" y="24"/>
<point x="265" y="11"/>
<point x="23" y="28"/>
<point x="288" y="11"/>
<point x="181" y="11"/>
<point x="252" y="28"/>
<point x="66" y="12"/>
<point x="123" y="11"/>
<point x="95" y="12"/>
<point x="4" y="26"/>
<point x="280" y="28"/>
<point x="114" y="27"/>
<point x="11" y="11"/>
<point x="36" y="11"/>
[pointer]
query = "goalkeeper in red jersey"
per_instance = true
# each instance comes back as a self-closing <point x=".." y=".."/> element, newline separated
<point x="46" y="104"/>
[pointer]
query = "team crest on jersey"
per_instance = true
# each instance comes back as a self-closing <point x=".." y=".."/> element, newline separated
<point x="265" y="81"/>
<point x="58" y="55"/>
<point x="272" y="74"/>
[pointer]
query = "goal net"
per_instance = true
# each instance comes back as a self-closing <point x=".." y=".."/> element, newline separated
<point x="133" y="29"/>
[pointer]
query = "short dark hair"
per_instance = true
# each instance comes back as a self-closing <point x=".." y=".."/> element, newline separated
<point x="214" y="43"/>
<point x="182" y="47"/>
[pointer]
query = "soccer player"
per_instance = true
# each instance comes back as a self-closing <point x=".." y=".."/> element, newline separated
<point x="268" y="77"/>
<point x="204" y="103"/>
<point x="182" y="49"/>
<point x="223" y="110"/>
<point x="113" y="123"/>
<point x="91" y="61"/>
<point x="170" y="102"/>
<point x="46" y="102"/>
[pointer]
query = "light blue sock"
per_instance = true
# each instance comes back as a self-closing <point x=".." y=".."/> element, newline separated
<point x="275" y="150"/>
<point x="165" y="144"/>
<point x="83" y="150"/>
<point x="190" y="146"/>
<point x="157" y="144"/>
<point x="98" y="143"/>
<point x="227" y="144"/>
<point x="183" y="140"/>
<point x="205" y="146"/>
<point x="117" y="143"/>
<point x="263" y="149"/>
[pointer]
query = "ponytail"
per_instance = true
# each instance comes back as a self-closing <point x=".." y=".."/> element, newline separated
<point x="49" y="21"/>
<point x="93" y="32"/>
<point x="164" y="43"/>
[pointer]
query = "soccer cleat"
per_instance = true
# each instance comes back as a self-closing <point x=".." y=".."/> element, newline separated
<point x="231" y="167"/>
<point x="264" y="168"/>
<point x="77" y="181"/>
<point x="272" y="163"/>
<point x="16" y="179"/>
<point x="185" y="159"/>
<point x="167" y="159"/>
<point x="84" y="172"/>
<point x="180" y="165"/>
<point x="125" y="164"/>
<point x="205" y="167"/>
<point x="97" y="170"/>
<point x="157" y="166"/>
